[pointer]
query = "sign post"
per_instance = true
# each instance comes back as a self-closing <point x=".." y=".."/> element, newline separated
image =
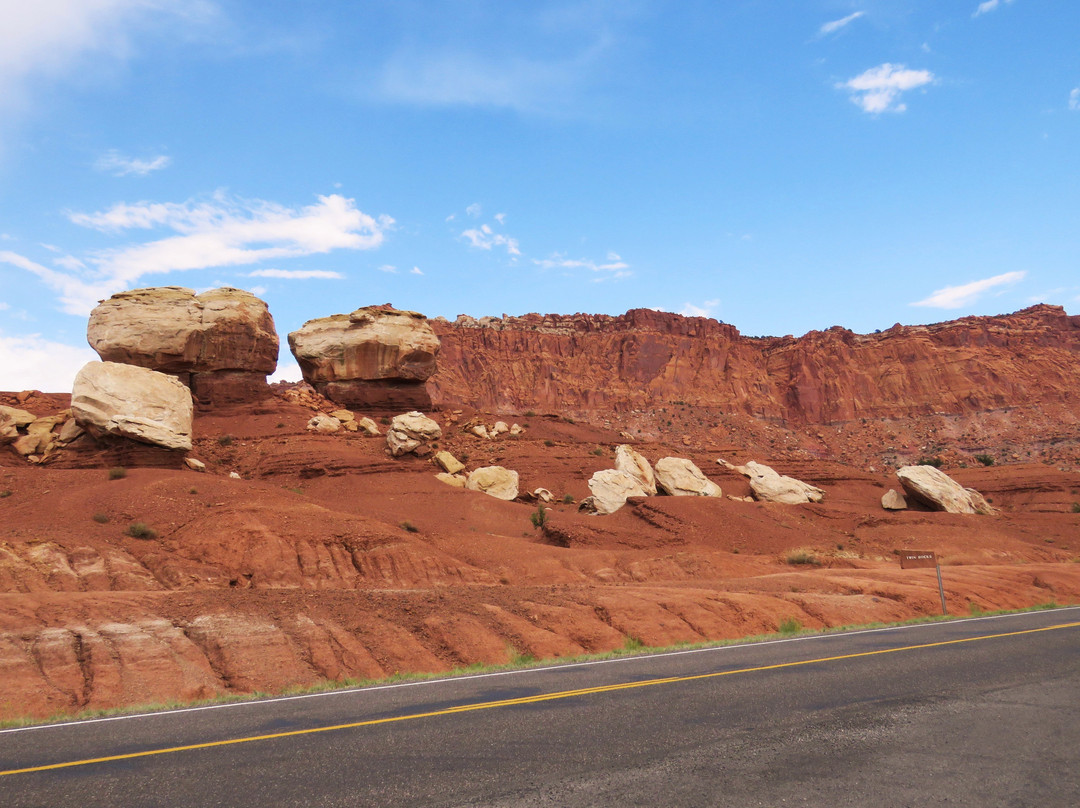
<point x="913" y="559"/>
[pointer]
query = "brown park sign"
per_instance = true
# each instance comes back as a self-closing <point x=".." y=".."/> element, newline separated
<point x="912" y="559"/>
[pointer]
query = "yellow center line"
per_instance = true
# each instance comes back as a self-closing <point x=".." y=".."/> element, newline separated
<point x="541" y="697"/>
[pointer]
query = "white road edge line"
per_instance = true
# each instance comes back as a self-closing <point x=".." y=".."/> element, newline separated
<point x="542" y="669"/>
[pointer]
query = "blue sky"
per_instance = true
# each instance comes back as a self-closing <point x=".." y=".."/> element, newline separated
<point x="782" y="166"/>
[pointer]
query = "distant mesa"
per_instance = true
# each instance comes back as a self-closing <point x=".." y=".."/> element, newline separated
<point x="221" y="343"/>
<point x="377" y="356"/>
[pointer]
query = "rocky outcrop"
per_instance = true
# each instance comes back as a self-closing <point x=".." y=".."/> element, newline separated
<point x="611" y="488"/>
<point x="376" y="356"/>
<point x="633" y="463"/>
<point x="678" y="477"/>
<point x="221" y="343"/>
<point x="110" y="398"/>
<point x="940" y="492"/>
<point x="495" y="481"/>
<point x="412" y="433"/>
<point x="768" y="485"/>
<point x="647" y="359"/>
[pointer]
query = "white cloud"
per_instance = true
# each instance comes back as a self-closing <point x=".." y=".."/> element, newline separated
<point x="879" y="88"/>
<point x="32" y="363"/>
<point x="295" y="274"/>
<point x="485" y="238"/>
<point x="286" y="372"/>
<point x="704" y="310"/>
<point x="1074" y="99"/>
<point x="955" y="297"/>
<point x="120" y="165"/>
<point x="988" y="6"/>
<point x="836" y="25"/>
<point x="500" y="218"/>
<point x="4" y="306"/>
<point x="222" y="232"/>
<point x="613" y="267"/>
<point x="388" y="268"/>
<point x="415" y="271"/>
<point x="474" y="210"/>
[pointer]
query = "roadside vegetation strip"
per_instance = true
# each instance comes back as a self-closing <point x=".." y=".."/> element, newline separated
<point x="535" y="699"/>
<point x="633" y="648"/>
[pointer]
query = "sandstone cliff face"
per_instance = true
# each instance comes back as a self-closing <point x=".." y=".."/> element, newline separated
<point x="644" y="358"/>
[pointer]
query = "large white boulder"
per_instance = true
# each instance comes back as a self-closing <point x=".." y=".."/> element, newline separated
<point x="679" y="477"/>
<point x="110" y="398"/>
<point x="768" y="485"/>
<point x="410" y="431"/>
<point x="634" y="464"/>
<point x="936" y="489"/>
<point x="610" y="489"/>
<point x="495" y="481"/>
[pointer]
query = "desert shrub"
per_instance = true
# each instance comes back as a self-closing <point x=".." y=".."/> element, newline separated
<point x="225" y="440"/>
<point x="802" y="556"/>
<point x="141" y="530"/>
<point x="117" y="473"/>
<point x="101" y="518"/>
<point x="1076" y="507"/>
<point x="530" y="413"/>
<point x="935" y="461"/>
<point x="789" y="626"/>
<point x="385" y="420"/>
<point x="598" y="452"/>
<point x="409" y="527"/>
<point x="539" y="517"/>
<point x="568" y="499"/>
<point x="549" y="443"/>
<point x="193" y="490"/>
<point x="985" y="459"/>
<point x="5" y="494"/>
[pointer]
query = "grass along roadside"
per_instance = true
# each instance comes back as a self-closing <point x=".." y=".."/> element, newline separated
<point x="788" y="628"/>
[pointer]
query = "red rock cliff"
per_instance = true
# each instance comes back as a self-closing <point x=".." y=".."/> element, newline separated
<point x="638" y="360"/>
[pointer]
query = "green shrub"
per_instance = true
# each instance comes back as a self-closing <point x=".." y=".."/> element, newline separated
<point x="1076" y="507"/>
<point x="5" y="494"/>
<point x="101" y="518"/>
<point x="568" y="499"/>
<point x="117" y="473"/>
<point x="409" y="527"/>
<point x="985" y="459"/>
<point x="539" y="517"/>
<point x="530" y="413"/>
<point x="549" y="443"/>
<point x="598" y="452"/>
<point x="789" y="626"/>
<point x="225" y="440"/>
<point x="801" y="556"/>
<point x="935" y="461"/>
<point x="141" y="530"/>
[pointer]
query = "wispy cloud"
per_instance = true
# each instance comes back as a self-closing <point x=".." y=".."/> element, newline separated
<point x="704" y="310"/>
<point x="836" y="25"/>
<point x="879" y="88"/>
<point x="955" y="297"/>
<point x="613" y="267"/>
<point x="485" y="238"/>
<point x="474" y="210"/>
<point x="1074" y="99"/>
<point x="31" y="362"/>
<point x="415" y="271"/>
<point x="389" y="269"/>
<point x="296" y="274"/>
<point x="120" y="165"/>
<point x="988" y="6"/>
<point x="220" y="232"/>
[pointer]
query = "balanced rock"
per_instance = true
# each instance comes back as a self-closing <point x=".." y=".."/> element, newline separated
<point x="222" y="343"/>
<point x="768" y="485"/>
<point x="940" y="492"/>
<point x="678" y="477"/>
<point x="610" y="489"/>
<point x="377" y="356"/>
<point x="893" y="500"/>
<point x="495" y="481"/>
<point x="410" y="432"/>
<point x="110" y="398"/>
<point x="634" y="464"/>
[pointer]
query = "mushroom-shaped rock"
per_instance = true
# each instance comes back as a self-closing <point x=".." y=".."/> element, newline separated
<point x="110" y="398"/>
<point x="893" y="500"/>
<point x="678" y="477"/>
<point x="376" y="356"/>
<point x="411" y="431"/>
<point x="634" y="464"/>
<point x="768" y="485"/>
<point x="610" y="489"/>
<point x="223" y="341"/>
<point x="496" y="481"/>
<point x="937" y="490"/>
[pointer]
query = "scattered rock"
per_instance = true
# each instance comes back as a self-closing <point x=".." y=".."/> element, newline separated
<point x="368" y="427"/>
<point x="194" y="464"/>
<point x="70" y="431"/>
<point x="222" y="342"/>
<point x="480" y="431"/>
<point x="455" y="480"/>
<point x="627" y="459"/>
<point x="543" y="495"/>
<point x="500" y="428"/>
<point x="324" y="424"/>
<point x="234" y="476"/>
<point x="516" y="429"/>
<point x="496" y="481"/>
<point x="893" y="500"/>
<point x="610" y="489"/>
<point x="410" y="432"/>
<point x="375" y="356"/>
<point x="345" y="416"/>
<point x="109" y="398"/>
<point x="768" y="485"/>
<point x="678" y="477"/>
<point x="449" y="463"/>
<point x="937" y="490"/>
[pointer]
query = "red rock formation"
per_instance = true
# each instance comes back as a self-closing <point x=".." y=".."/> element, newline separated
<point x="644" y="358"/>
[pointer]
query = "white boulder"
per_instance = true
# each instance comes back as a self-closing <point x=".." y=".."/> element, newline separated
<point x="678" y="477"/>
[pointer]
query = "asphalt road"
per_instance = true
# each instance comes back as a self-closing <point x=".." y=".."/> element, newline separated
<point x="982" y="712"/>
